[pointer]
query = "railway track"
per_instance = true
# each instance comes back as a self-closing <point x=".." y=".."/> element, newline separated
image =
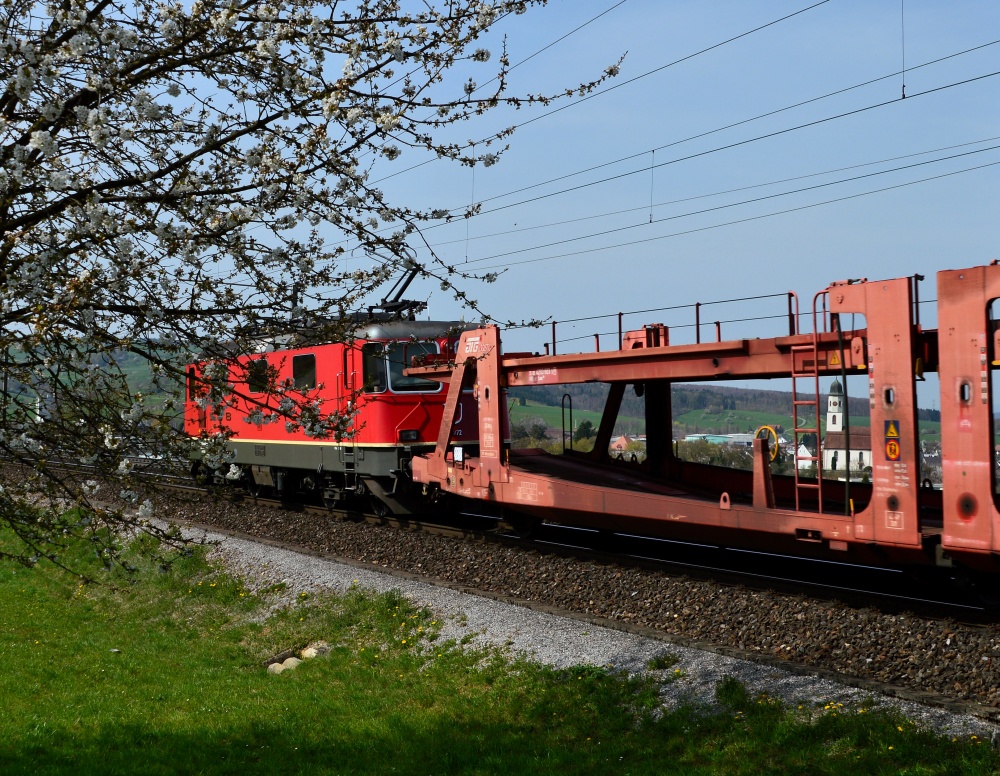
<point x="933" y="651"/>
<point x="933" y="596"/>
<point x="921" y="648"/>
<point x="888" y="590"/>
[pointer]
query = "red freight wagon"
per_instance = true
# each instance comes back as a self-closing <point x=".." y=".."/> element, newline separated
<point x="893" y="516"/>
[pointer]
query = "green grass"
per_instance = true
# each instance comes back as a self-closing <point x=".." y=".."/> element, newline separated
<point x="164" y="675"/>
<point x="738" y="421"/>
<point x="726" y="422"/>
<point x="553" y="417"/>
<point x="734" y="421"/>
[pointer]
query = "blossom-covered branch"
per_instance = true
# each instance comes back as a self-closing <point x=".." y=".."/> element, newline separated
<point x="181" y="179"/>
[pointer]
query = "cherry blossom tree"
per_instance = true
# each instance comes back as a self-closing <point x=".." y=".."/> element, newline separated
<point x="180" y="179"/>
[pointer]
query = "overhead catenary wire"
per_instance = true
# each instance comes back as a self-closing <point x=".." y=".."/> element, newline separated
<point x="716" y="130"/>
<point x="606" y="214"/>
<point x="747" y="141"/>
<point x="652" y="203"/>
<point x="703" y="211"/>
<point x="507" y="265"/>
<point x="732" y="125"/>
<point x="623" y="83"/>
<point x="648" y="73"/>
<point x="737" y="221"/>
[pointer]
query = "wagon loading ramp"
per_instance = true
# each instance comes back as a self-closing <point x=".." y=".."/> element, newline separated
<point x="895" y="519"/>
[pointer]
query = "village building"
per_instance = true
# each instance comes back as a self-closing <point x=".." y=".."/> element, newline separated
<point x="849" y="450"/>
<point x="621" y="444"/>
<point x="803" y="456"/>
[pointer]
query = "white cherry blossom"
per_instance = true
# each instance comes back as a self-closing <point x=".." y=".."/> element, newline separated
<point x="179" y="181"/>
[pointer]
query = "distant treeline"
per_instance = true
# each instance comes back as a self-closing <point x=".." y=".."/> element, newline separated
<point x="686" y="397"/>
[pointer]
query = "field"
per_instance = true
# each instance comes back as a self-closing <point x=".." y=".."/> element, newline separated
<point x="552" y="417"/>
<point x="163" y="674"/>
<point x="693" y="421"/>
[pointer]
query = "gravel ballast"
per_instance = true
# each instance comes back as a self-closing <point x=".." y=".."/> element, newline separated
<point x="563" y="642"/>
<point x="802" y="643"/>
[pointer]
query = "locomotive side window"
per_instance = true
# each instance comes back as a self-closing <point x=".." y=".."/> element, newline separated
<point x="257" y="375"/>
<point x="373" y="367"/>
<point x="304" y="371"/>
<point x="400" y="355"/>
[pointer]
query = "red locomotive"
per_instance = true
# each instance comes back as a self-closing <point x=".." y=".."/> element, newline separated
<point x="385" y="416"/>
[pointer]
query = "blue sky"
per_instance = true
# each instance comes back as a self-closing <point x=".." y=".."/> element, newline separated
<point x="945" y="223"/>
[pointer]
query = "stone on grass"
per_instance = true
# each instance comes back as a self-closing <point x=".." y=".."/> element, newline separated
<point x="275" y="668"/>
<point x="308" y="653"/>
<point x="291" y="662"/>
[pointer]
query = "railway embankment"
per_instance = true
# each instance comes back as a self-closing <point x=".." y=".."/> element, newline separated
<point x="954" y="666"/>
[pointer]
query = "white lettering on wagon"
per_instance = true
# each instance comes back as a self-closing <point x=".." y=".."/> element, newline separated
<point x="543" y="375"/>
<point x="894" y="520"/>
<point x="489" y="439"/>
<point x="527" y="491"/>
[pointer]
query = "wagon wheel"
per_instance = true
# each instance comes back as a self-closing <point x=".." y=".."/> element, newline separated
<point x="523" y="526"/>
<point x="765" y="432"/>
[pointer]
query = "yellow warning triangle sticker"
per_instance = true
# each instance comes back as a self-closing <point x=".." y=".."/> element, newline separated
<point x="835" y="359"/>
<point x="891" y="430"/>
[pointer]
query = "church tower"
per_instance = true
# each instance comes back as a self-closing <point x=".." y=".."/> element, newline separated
<point x="835" y="408"/>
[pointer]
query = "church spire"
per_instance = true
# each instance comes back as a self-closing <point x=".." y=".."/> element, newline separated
<point x="835" y="407"/>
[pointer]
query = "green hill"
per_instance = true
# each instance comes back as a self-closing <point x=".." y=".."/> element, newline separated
<point x="700" y="409"/>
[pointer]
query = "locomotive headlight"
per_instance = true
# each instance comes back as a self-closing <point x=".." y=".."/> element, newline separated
<point x="409" y="435"/>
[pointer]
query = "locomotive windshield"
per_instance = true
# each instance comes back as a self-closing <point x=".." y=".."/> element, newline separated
<point x="383" y="365"/>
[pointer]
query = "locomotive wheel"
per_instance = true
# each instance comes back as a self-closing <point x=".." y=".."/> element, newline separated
<point x="199" y="473"/>
<point x="380" y="508"/>
<point x="254" y="490"/>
